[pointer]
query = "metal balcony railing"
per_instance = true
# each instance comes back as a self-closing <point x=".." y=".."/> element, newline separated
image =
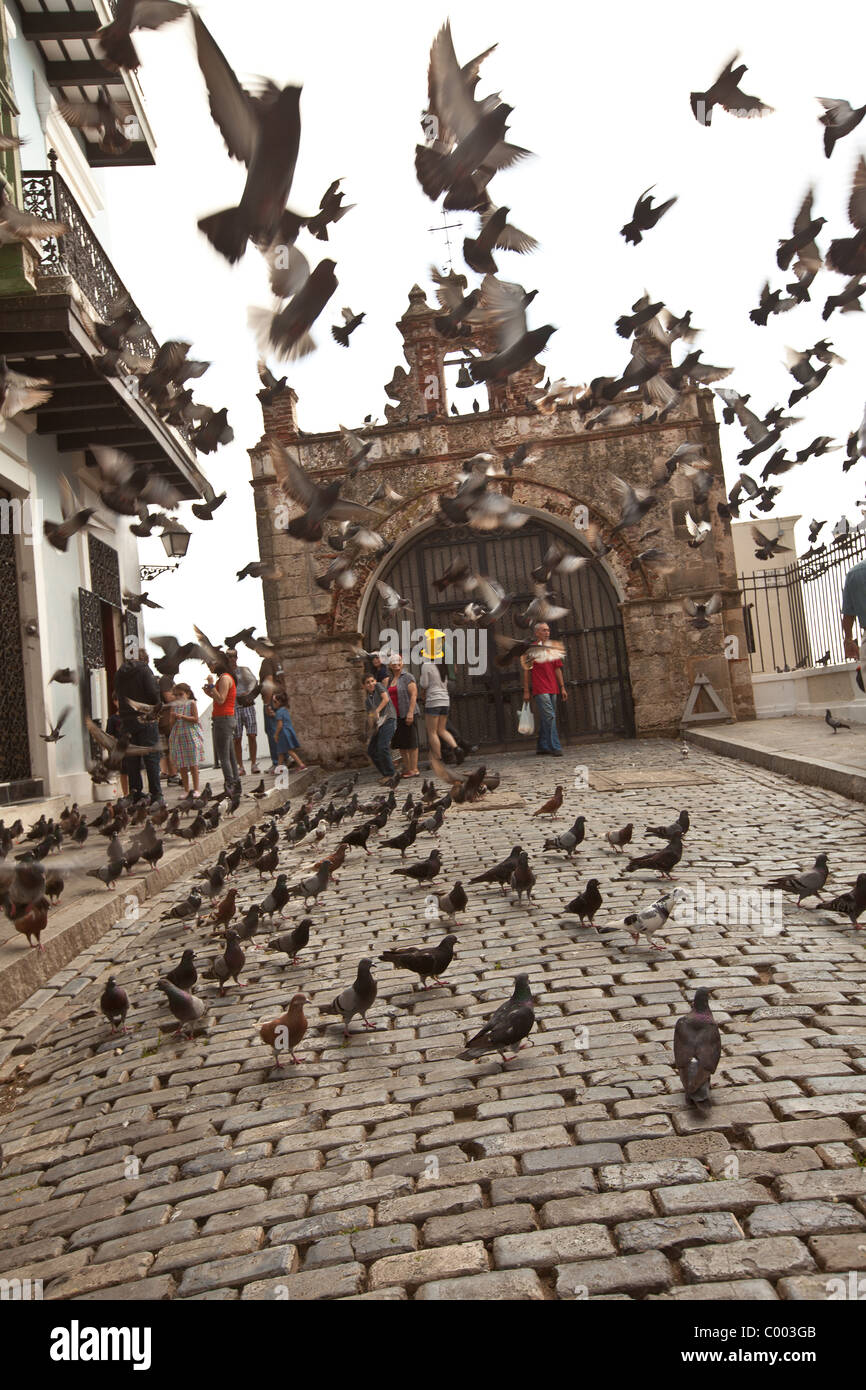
<point x="79" y="255"/>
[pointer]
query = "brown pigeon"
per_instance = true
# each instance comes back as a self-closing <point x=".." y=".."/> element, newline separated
<point x="284" y="1032"/>
<point x="551" y="807"/>
<point x="697" y="1049"/>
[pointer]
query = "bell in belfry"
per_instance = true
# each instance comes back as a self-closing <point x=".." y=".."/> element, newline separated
<point x="463" y="377"/>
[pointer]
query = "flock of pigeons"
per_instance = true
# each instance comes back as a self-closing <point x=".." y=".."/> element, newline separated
<point x="465" y="146"/>
<point x="221" y="903"/>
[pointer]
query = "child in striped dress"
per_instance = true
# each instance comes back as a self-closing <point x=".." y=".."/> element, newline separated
<point x="186" y="741"/>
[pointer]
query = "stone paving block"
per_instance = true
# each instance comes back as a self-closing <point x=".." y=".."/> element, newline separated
<point x="826" y="1287"/>
<point x="439" y="1201"/>
<point x="843" y="1182"/>
<point x="337" y="1281"/>
<point x="428" y="1266"/>
<point x="99" y="1277"/>
<point x="544" y="1249"/>
<point x="804" y="1219"/>
<point x="668" y="1171"/>
<point x="770" y="1258"/>
<point x="478" y="1225"/>
<point x="199" y="1251"/>
<point x="138" y="1291"/>
<point x="737" y="1195"/>
<point x="543" y="1187"/>
<point x="728" y="1291"/>
<point x="632" y="1274"/>
<point x="839" y="1252"/>
<point x="309" y="1228"/>
<point x="677" y="1233"/>
<point x="607" y="1207"/>
<point x="244" y="1270"/>
<point x="510" y="1285"/>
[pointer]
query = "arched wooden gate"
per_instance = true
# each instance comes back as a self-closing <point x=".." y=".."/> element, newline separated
<point x="485" y="707"/>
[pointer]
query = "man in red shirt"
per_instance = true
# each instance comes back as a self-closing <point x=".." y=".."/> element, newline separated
<point x="544" y="680"/>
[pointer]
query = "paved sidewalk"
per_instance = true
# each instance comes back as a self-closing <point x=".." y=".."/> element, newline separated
<point x="797" y="746"/>
<point x="145" y="1167"/>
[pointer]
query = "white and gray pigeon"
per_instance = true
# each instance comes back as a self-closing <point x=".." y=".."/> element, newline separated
<point x="697" y="1049"/>
<point x="569" y="839"/>
<point x="187" y="1008"/>
<point x="650" y="919"/>
<point x="357" y="999"/>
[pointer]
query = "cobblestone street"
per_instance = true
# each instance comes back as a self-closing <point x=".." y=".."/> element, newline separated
<point x="144" y="1166"/>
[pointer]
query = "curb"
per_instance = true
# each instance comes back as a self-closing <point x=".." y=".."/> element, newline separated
<point x="25" y="974"/>
<point x="831" y="777"/>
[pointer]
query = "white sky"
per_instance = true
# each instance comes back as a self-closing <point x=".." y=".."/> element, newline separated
<point x="601" y="95"/>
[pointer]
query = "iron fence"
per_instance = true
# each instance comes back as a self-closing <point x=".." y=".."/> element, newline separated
<point x="793" y="615"/>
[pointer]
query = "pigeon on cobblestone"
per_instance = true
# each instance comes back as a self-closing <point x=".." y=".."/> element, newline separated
<point x="507" y="1026"/>
<point x="551" y="806"/>
<point x="500" y="873"/>
<point x="188" y="908"/>
<point x="277" y="898"/>
<point x="308" y="888"/>
<point x="618" y="838"/>
<point x="806" y="885"/>
<point x="662" y="860"/>
<point x="669" y="832"/>
<point x="187" y="1008"/>
<point x="224" y="910"/>
<point x="424" y="870"/>
<point x="850" y="904"/>
<point x="569" y="839"/>
<point x="586" y="904"/>
<point x="424" y="961"/>
<point x="452" y="902"/>
<point x="229" y="965"/>
<point x="284" y="1032"/>
<point x="697" y="1049"/>
<point x="184" y="975"/>
<point x="294" y="941"/>
<point x="403" y="840"/>
<point x="522" y="879"/>
<point x="651" y="919"/>
<point x="357" y="999"/>
<point x="247" y="927"/>
<point x="114" y="1003"/>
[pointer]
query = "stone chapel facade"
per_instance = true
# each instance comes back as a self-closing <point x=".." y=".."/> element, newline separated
<point x="631" y="654"/>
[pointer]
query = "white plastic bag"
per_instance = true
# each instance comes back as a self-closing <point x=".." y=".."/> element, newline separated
<point x="526" y="722"/>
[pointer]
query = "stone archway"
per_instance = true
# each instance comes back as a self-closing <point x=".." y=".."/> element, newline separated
<point x="486" y="697"/>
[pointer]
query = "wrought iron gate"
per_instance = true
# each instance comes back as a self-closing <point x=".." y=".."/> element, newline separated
<point x="14" y="741"/>
<point x="485" y="707"/>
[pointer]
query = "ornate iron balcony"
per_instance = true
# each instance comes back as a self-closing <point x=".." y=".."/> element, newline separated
<point x="79" y="255"/>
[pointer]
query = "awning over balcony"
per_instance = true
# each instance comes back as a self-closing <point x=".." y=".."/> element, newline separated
<point x="63" y="32"/>
<point x="50" y="334"/>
